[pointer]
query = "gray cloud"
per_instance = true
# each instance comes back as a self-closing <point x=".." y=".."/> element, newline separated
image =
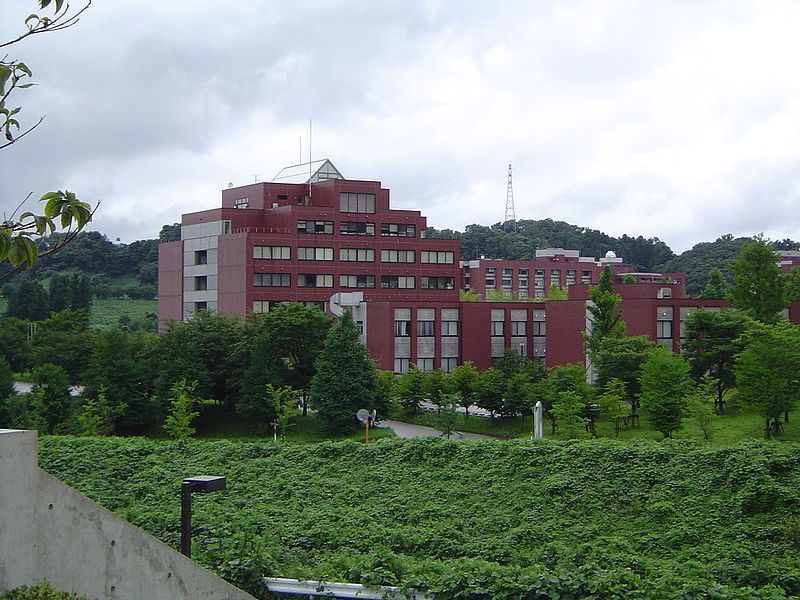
<point x="667" y="119"/>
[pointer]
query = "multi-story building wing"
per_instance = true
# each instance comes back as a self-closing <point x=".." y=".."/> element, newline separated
<point x="288" y="241"/>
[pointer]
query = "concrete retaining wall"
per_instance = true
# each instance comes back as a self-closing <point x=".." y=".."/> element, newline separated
<point x="50" y="531"/>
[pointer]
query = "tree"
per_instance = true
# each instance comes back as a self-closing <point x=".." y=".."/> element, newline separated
<point x="792" y="279"/>
<point x="716" y="287"/>
<point x="14" y="345"/>
<point x="700" y="402"/>
<point x="664" y="382"/>
<point x="463" y="381"/>
<point x="489" y="392"/>
<point x="265" y="373"/>
<point x="609" y="402"/>
<point x="768" y="372"/>
<point x="6" y="391"/>
<point x="17" y="245"/>
<point x="759" y="288"/>
<point x="59" y="295"/>
<point x="567" y="408"/>
<point x="567" y="378"/>
<point x="80" y="289"/>
<point x="297" y="333"/>
<point x="622" y="358"/>
<point x="605" y="316"/>
<point x="50" y="397"/>
<point x="28" y="301"/>
<point x="284" y="404"/>
<point x="64" y="340"/>
<point x="711" y="345"/>
<point x="180" y="415"/>
<point x="96" y="417"/>
<point x="344" y="381"/>
<point x="411" y="389"/>
<point x="203" y="349"/>
<point x="118" y="371"/>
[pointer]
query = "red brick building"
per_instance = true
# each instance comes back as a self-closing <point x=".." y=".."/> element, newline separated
<point x="312" y="236"/>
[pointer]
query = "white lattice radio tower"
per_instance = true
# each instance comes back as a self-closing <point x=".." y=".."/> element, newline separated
<point x="510" y="201"/>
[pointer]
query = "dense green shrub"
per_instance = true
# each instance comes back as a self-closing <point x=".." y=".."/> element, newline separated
<point x="490" y="520"/>
<point x="40" y="591"/>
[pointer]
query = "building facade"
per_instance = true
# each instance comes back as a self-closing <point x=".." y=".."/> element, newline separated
<point x="312" y="236"/>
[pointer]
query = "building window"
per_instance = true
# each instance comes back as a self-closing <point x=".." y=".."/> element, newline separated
<point x="272" y="252"/>
<point x="572" y="276"/>
<point x="357" y="255"/>
<point x="241" y="203"/>
<point x="664" y="316"/>
<point x="517" y="328"/>
<point x="436" y="283"/>
<point x="402" y="328"/>
<point x="401" y="365"/>
<point x="425" y="364"/>
<point x="586" y="277"/>
<point x="314" y="281"/>
<point x="490" y="283"/>
<point x="403" y="282"/>
<point x="664" y="292"/>
<point x="309" y="253"/>
<point x="325" y="227"/>
<point x="497" y="328"/>
<point x="506" y="282"/>
<point x="201" y="257"/>
<point x="198" y="306"/>
<point x="357" y="203"/>
<point x="449" y="328"/>
<point x="397" y="256"/>
<point x="201" y="283"/>
<point x="398" y="230"/>
<point x="272" y="280"/>
<point x="538" y="328"/>
<point x="425" y="328"/>
<point x="437" y="257"/>
<point x="357" y="281"/>
<point x="555" y="278"/>
<point x="448" y="364"/>
<point x="523" y="272"/>
<point x="356" y="228"/>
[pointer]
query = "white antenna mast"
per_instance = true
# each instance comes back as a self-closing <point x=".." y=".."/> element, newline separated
<point x="309" y="161"/>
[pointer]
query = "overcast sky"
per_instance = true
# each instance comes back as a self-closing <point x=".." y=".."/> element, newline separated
<point x="676" y="119"/>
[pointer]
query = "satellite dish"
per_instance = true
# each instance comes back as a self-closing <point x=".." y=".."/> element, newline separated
<point x="230" y="184"/>
<point x="363" y="415"/>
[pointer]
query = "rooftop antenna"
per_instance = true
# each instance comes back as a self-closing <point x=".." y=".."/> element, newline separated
<point x="510" y="217"/>
<point x="309" y="161"/>
<point x="255" y="177"/>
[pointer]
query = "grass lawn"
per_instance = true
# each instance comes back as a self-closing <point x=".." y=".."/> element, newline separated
<point x="106" y="312"/>
<point x="216" y="423"/>
<point x="730" y="427"/>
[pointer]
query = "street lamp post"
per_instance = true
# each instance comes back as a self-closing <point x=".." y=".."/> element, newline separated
<point x="203" y="484"/>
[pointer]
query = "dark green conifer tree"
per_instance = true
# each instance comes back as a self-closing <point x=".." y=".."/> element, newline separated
<point x="345" y="378"/>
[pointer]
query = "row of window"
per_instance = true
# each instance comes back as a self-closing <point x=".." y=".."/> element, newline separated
<point x="356" y="228"/>
<point x="351" y="281"/>
<point x="402" y="365"/>
<point x="555" y="277"/>
<point x="352" y="254"/>
<point x="426" y="328"/>
<point x="518" y="328"/>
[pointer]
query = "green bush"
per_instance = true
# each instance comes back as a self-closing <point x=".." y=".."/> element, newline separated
<point x="41" y="591"/>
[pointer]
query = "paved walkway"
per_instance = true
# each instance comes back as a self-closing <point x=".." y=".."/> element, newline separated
<point x="409" y="430"/>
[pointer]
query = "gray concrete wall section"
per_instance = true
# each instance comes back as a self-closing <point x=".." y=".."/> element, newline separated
<point x="50" y="531"/>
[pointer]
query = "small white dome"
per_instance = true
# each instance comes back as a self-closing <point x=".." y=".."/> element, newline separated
<point x="610" y="254"/>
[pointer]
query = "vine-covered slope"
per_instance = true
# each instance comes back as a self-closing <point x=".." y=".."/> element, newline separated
<point x="469" y="520"/>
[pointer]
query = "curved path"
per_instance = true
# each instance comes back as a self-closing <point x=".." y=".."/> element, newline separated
<point x="409" y="430"/>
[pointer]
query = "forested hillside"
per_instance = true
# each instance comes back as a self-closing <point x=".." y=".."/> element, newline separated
<point x="499" y="520"/>
<point x="497" y="242"/>
<point x="644" y="254"/>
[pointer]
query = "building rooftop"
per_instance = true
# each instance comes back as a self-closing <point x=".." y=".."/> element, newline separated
<point x="310" y="172"/>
